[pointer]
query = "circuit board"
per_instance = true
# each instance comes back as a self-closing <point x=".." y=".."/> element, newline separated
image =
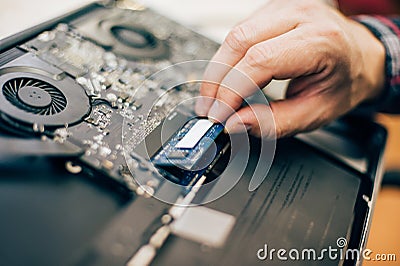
<point x="112" y="77"/>
<point x="190" y="153"/>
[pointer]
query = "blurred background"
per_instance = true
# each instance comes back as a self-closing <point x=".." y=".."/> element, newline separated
<point x="214" y="19"/>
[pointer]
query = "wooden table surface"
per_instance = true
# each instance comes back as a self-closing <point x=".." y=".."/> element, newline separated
<point x="385" y="232"/>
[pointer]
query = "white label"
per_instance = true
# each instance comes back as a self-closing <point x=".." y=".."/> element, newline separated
<point x="195" y="134"/>
<point x="204" y="225"/>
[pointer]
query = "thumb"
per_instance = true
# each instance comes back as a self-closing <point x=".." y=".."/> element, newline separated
<point x="257" y="119"/>
<point x="279" y="119"/>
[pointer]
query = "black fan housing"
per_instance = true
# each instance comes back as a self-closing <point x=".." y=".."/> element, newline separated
<point x="34" y="96"/>
<point x="125" y="37"/>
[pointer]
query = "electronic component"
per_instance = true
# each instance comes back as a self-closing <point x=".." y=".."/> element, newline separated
<point x="192" y="151"/>
<point x="90" y="80"/>
<point x="33" y="96"/>
<point x="177" y="154"/>
<point x="144" y="35"/>
<point x="204" y="225"/>
<point x="194" y="135"/>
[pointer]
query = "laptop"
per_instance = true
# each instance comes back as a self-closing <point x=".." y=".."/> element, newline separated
<point x="104" y="162"/>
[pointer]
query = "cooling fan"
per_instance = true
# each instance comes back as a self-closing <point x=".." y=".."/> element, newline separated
<point x="125" y="37"/>
<point x="132" y="41"/>
<point x="33" y="97"/>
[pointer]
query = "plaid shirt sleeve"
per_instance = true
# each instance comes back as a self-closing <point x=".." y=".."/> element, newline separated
<point x="387" y="30"/>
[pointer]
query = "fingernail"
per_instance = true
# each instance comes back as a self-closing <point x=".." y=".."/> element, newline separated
<point x="234" y="128"/>
<point x="213" y="113"/>
<point x="219" y="111"/>
<point x="200" y="107"/>
<point x="213" y="120"/>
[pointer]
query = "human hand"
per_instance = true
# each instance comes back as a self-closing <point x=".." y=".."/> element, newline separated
<point x="334" y="64"/>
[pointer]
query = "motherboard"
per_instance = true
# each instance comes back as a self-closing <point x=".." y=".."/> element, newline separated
<point x="106" y="83"/>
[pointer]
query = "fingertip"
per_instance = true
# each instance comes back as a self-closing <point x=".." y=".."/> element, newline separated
<point x="235" y="125"/>
<point x="219" y="111"/>
<point x="238" y="128"/>
<point x="200" y="107"/>
<point x="213" y="120"/>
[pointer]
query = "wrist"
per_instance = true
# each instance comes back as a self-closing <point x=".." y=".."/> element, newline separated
<point x="372" y="63"/>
